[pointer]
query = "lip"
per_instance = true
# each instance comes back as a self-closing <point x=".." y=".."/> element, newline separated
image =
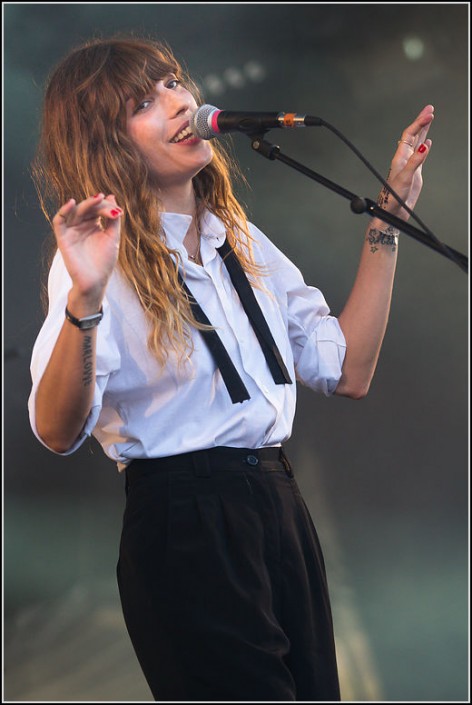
<point x="188" y="142"/>
<point x="182" y="127"/>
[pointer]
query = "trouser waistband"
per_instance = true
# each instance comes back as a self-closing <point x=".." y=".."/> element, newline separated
<point x="203" y="462"/>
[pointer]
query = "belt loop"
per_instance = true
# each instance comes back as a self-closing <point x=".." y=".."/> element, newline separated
<point x="201" y="463"/>
<point x="286" y="463"/>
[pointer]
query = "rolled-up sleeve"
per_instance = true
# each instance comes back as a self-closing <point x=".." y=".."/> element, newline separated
<point x="107" y="359"/>
<point x="317" y="341"/>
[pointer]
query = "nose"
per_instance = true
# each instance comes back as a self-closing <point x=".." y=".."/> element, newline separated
<point x="178" y="102"/>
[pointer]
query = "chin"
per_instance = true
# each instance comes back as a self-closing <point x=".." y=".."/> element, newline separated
<point x="209" y="152"/>
<point x="205" y="161"/>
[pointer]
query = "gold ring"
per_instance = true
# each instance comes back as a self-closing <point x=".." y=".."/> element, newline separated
<point x="406" y="142"/>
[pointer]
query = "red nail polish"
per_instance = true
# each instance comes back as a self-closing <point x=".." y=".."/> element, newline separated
<point x="116" y="211"/>
<point x="422" y="148"/>
<point x="97" y="195"/>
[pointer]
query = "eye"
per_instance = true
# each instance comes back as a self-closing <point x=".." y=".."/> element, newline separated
<point x="141" y="106"/>
<point x="173" y="83"/>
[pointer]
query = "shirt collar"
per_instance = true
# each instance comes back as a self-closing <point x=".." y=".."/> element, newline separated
<point x="176" y="225"/>
<point x="213" y="230"/>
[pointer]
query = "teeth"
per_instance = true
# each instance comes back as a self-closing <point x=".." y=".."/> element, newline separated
<point x="187" y="132"/>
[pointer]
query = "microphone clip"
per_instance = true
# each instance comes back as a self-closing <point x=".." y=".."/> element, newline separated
<point x="260" y="145"/>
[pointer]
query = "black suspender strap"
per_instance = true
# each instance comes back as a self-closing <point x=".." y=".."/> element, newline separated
<point x="236" y="387"/>
<point x="255" y="315"/>
<point x="234" y="383"/>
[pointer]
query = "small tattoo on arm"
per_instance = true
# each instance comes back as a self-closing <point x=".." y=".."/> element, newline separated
<point x="388" y="237"/>
<point x="384" y="195"/>
<point x="88" y="361"/>
<point x="382" y="200"/>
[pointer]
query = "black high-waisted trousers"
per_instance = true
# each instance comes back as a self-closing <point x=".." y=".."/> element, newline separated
<point x="222" y="580"/>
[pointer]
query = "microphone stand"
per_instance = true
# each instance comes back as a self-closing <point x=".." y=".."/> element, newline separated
<point x="358" y="205"/>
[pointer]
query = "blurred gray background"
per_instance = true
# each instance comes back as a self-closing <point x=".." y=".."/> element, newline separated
<point x="385" y="478"/>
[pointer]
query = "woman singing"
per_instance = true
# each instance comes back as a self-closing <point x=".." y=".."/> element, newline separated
<point x="176" y="333"/>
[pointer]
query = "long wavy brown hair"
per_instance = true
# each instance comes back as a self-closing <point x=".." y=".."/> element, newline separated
<point x="84" y="149"/>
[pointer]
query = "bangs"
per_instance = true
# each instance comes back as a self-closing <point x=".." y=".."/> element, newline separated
<point x="103" y="75"/>
<point x="136" y="73"/>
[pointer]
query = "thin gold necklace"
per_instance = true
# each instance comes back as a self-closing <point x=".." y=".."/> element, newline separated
<point x="195" y="257"/>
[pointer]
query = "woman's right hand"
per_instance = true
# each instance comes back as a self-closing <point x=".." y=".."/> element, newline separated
<point x="89" y="249"/>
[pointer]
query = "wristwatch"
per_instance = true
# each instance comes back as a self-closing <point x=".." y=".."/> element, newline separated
<point x="86" y="322"/>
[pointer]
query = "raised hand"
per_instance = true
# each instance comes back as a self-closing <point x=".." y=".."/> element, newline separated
<point x="88" y="236"/>
<point x="405" y="175"/>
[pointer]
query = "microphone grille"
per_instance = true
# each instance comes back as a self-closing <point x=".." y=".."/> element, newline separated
<point x="200" y="122"/>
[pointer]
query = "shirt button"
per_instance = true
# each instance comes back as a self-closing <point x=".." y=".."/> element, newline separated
<point x="252" y="460"/>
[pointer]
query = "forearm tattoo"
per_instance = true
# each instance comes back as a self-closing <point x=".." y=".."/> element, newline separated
<point x="388" y="237"/>
<point x="87" y="377"/>
<point x="384" y="195"/>
<point x="382" y="200"/>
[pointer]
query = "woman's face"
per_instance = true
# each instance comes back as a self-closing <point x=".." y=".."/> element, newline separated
<point x="157" y="126"/>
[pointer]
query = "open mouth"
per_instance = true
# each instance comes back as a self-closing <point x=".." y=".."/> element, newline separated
<point x="184" y="134"/>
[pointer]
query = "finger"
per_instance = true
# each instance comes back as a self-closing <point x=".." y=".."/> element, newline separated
<point x="72" y="213"/>
<point x="65" y="212"/>
<point x="418" y="158"/>
<point x="114" y="205"/>
<point x="111" y="217"/>
<point x="92" y="208"/>
<point x="95" y="207"/>
<point x="111" y="223"/>
<point x="416" y="133"/>
<point x="114" y="210"/>
<point x="421" y="137"/>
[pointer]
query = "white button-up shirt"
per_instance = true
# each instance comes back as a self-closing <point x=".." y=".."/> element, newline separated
<point x="143" y="410"/>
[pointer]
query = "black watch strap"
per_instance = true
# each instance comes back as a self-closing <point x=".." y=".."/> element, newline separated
<point x="86" y="322"/>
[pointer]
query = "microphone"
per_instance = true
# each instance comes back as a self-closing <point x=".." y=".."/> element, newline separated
<point x="208" y="122"/>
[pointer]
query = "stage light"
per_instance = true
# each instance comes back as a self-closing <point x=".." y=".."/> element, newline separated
<point x="413" y="48"/>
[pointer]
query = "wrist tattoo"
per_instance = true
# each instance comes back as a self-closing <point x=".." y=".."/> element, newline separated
<point x="382" y="200"/>
<point x="88" y="361"/>
<point x="384" y="195"/>
<point x="387" y="237"/>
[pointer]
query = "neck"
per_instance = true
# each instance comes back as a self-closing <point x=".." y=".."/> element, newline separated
<point x="179" y="199"/>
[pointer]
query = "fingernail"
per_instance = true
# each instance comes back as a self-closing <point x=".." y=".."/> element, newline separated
<point x="422" y="148"/>
<point x="97" y="195"/>
<point x="116" y="211"/>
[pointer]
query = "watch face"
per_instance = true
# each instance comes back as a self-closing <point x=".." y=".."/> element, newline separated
<point x="87" y="322"/>
<point x="85" y="325"/>
<point x="91" y="322"/>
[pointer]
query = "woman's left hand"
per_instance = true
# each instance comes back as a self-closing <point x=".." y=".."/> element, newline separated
<point x="405" y="176"/>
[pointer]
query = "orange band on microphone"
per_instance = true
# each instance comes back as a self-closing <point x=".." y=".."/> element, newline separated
<point x="289" y="119"/>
